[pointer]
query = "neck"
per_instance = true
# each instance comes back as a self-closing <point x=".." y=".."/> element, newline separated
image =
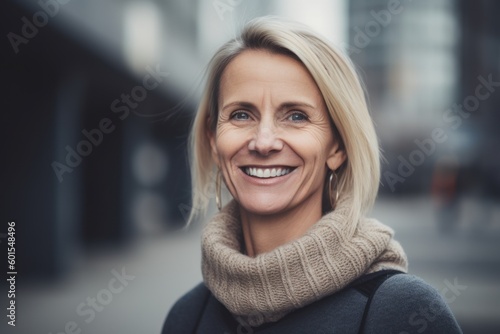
<point x="263" y="233"/>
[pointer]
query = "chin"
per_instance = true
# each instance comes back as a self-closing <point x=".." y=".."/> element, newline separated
<point x="262" y="206"/>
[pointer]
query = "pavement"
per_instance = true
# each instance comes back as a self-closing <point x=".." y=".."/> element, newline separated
<point x="131" y="290"/>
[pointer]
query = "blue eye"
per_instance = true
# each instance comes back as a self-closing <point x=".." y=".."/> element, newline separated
<point x="297" y="117"/>
<point x="240" y="116"/>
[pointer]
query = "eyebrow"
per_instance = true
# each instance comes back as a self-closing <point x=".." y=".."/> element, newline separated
<point x="284" y="105"/>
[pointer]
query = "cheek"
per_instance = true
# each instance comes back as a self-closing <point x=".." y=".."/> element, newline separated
<point x="229" y="141"/>
<point x="312" y="145"/>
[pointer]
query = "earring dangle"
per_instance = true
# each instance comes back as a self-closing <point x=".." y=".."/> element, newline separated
<point x="218" y="191"/>
<point x="333" y="188"/>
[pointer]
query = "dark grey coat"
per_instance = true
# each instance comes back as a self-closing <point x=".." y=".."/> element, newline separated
<point x="402" y="304"/>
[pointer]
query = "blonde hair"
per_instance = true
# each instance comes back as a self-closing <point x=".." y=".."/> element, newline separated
<point x="342" y="92"/>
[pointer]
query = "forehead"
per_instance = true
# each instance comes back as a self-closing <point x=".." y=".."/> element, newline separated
<point x="254" y="72"/>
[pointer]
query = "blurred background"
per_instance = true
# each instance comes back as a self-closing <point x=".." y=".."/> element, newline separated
<point x="100" y="95"/>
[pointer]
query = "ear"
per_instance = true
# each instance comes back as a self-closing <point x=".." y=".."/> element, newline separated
<point x="336" y="157"/>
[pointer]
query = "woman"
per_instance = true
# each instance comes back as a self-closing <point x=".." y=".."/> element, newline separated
<point x="285" y="126"/>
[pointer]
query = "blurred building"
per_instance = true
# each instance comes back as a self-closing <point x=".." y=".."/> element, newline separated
<point x="101" y="95"/>
<point x="408" y="57"/>
<point x="71" y="66"/>
<point x="97" y="125"/>
<point x="422" y="62"/>
<point x="479" y="138"/>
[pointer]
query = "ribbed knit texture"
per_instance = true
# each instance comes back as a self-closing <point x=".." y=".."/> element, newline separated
<point x="324" y="260"/>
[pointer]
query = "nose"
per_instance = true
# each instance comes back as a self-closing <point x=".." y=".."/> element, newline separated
<point x="265" y="140"/>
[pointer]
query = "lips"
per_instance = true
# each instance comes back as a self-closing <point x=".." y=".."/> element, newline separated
<point x="266" y="173"/>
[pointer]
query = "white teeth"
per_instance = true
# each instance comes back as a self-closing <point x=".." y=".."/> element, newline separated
<point x="267" y="172"/>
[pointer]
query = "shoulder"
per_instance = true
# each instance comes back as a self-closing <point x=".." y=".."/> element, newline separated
<point x="407" y="304"/>
<point x="186" y="311"/>
<point x="404" y="287"/>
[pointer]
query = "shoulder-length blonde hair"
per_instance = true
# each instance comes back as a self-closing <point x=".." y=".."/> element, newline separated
<point x="342" y="92"/>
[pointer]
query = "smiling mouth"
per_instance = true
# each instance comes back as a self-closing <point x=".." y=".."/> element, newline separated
<point x="266" y="173"/>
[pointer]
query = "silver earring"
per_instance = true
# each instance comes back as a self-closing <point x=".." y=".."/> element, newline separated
<point x="217" y="190"/>
<point x="333" y="192"/>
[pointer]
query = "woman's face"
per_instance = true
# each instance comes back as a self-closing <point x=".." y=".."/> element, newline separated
<point x="273" y="141"/>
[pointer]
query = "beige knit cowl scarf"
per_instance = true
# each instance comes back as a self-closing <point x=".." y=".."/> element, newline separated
<point x="327" y="258"/>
